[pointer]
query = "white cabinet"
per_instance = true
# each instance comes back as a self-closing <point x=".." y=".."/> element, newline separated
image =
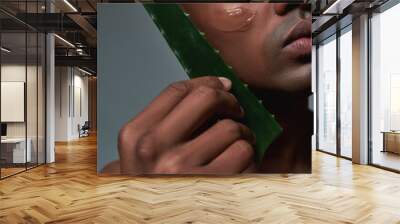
<point x="17" y="147"/>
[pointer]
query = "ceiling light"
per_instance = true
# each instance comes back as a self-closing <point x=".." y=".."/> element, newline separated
<point x="333" y="6"/>
<point x="84" y="71"/>
<point x="70" y="5"/>
<point x="5" y="50"/>
<point x="79" y="51"/>
<point x="337" y="7"/>
<point x="65" y="41"/>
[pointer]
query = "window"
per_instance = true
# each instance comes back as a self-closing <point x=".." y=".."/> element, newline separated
<point x="327" y="95"/>
<point x="346" y="92"/>
<point x="385" y="89"/>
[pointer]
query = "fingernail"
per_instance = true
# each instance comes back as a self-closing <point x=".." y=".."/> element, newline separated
<point x="226" y="82"/>
<point x="241" y="110"/>
<point x="254" y="138"/>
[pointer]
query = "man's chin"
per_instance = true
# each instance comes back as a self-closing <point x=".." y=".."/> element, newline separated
<point x="290" y="80"/>
<point x="296" y="81"/>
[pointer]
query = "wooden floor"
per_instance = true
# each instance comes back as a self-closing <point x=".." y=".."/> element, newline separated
<point x="387" y="159"/>
<point x="5" y="172"/>
<point x="69" y="191"/>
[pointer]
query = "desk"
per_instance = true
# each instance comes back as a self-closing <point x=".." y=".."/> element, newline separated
<point x="15" y="148"/>
<point x="391" y="141"/>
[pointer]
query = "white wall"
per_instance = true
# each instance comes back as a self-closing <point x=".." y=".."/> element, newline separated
<point x="62" y="81"/>
<point x="12" y="73"/>
<point x="79" y="117"/>
<point x="16" y="73"/>
<point x="69" y="84"/>
<point x="33" y="127"/>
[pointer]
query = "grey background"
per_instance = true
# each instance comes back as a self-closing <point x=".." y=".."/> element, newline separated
<point x="134" y="65"/>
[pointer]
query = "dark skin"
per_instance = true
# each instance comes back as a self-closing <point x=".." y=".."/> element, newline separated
<point x="269" y="48"/>
<point x="291" y="152"/>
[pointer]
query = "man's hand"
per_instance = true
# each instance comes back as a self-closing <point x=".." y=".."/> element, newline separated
<point x="164" y="138"/>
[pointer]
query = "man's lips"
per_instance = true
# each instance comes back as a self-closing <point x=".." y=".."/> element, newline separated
<point x="298" y="40"/>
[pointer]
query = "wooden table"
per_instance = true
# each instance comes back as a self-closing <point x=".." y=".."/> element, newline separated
<point x="391" y="141"/>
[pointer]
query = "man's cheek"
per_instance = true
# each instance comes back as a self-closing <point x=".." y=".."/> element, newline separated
<point x="232" y="17"/>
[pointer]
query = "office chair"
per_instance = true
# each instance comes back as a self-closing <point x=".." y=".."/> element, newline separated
<point x="84" y="130"/>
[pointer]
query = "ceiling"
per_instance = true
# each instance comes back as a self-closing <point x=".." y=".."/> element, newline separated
<point x="76" y="22"/>
<point x="72" y="20"/>
<point x="332" y="15"/>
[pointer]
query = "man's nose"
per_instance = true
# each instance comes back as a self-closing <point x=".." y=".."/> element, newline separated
<point x="283" y="8"/>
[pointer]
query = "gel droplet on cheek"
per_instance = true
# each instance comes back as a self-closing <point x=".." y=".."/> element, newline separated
<point x="233" y="18"/>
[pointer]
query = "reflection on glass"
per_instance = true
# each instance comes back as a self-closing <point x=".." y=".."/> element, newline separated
<point x="22" y="91"/>
<point x="327" y="96"/>
<point x="15" y="151"/>
<point x="385" y="87"/>
<point x="346" y="93"/>
<point x="31" y="100"/>
<point x="41" y="98"/>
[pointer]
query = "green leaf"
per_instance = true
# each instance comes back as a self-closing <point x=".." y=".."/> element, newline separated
<point x="199" y="58"/>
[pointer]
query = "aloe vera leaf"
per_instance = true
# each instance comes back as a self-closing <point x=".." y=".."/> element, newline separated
<point x="199" y="58"/>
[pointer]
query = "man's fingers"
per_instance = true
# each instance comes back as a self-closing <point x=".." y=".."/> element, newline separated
<point x="172" y="95"/>
<point x="235" y="159"/>
<point x="215" y="140"/>
<point x="252" y="168"/>
<point x="199" y="106"/>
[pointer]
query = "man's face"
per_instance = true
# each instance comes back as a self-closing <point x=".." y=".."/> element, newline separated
<point x="268" y="45"/>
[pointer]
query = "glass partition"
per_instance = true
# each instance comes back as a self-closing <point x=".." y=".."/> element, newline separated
<point x="385" y="89"/>
<point x="22" y="77"/>
<point x="31" y="100"/>
<point x="41" y="107"/>
<point x="14" y="153"/>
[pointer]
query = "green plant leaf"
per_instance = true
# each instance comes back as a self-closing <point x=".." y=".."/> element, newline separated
<point x="199" y="58"/>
